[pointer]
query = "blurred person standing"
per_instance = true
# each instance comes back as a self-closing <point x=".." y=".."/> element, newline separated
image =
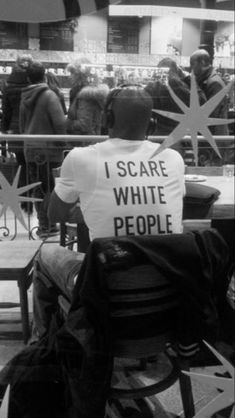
<point x="179" y="81"/>
<point x="211" y="83"/>
<point x="54" y="85"/>
<point x="80" y="76"/>
<point x="88" y="97"/>
<point x="11" y="96"/>
<point x="41" y="113"/>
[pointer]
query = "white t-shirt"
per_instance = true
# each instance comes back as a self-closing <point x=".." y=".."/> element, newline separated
<point x="122" y="191"/>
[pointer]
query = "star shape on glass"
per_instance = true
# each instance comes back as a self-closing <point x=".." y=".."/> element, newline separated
<point x="194" y="119"/>
<point x="225" y="385"/>
<point x="10" y="196"/>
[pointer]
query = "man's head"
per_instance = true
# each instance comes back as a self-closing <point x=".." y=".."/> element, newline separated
<point x="128" y="112"/>
<point x="200" y="61"/>
<point x="168" y="63"/>
<point x="24" y="61"/>
<point x="36" y="72"/>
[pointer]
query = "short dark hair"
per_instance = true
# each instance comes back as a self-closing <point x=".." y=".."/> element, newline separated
<point x="36" y="72"/>
<point x="201" y="56"/>
<point x="131" y="109"/>
<point x="168" y="63"/>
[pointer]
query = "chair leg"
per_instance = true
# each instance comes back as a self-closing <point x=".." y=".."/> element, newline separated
<point x="186" y="391"/>
<point x="24" y="310"/>
<point x="62" y="234"/>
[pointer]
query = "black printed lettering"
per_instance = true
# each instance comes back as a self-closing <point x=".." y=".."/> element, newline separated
<point x="143" y="170"/>
<point x="118" y="224"/>
<point x="153" y="168"/>
<point x="169" y="224"/>
<point x="142" y="225"/>
<point x="132" y="173"/>
<point x="163" y="168"/>
<point x="121" y="195"/>
<point x="135" y="195"/>
<point x="129" y="225"/>
<point x="121" y="166"/>
<point x="151" y="222"/>
<point x="106" y="170"/>
<point x="161" y="194"/>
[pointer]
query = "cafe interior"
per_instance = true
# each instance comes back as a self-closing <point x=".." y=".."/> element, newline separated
<point x="121" y="348"/>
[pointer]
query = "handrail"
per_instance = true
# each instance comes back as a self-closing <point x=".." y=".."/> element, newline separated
<point x="94" y="138"/>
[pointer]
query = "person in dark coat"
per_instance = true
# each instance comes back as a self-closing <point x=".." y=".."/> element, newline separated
<point x="85" y="113"/>
<point x="179" y="81"/>
<point x="16" y="81"/>
<point x="11" y="96"/>
<point x="41" y="113"/>
<point x="53" y="83"/>
<point x="80" y="76"/>
<point x="211" y="83"/>
<point x="162" y="99"/>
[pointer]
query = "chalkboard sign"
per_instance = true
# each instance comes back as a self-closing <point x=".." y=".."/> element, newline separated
<point x="56" y="36"/>
<point x="123" y="35"/>
<point x="13" y="35"/>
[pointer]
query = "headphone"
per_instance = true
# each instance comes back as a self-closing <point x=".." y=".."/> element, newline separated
<point x="108" y="115"/>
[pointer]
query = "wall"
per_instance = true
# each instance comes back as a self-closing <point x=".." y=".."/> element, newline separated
<point x="91" y="38"/>
<point x="91" y="34"/>
<point x="190" y="36"/>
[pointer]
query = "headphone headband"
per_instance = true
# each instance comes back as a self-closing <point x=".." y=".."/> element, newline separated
<point x="108" y="118"/>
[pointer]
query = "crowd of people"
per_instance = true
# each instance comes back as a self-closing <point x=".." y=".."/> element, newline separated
<point x="33" y="103"/>
<point x="121" y="190"/>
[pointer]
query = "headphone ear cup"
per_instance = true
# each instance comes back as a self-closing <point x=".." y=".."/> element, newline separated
<point x="152" y="126"/>
<point x="109" y="119"/>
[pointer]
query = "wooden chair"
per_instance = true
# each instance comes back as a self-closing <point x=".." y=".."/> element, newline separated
<point x="16" y="263"/>
<point x="143" y="309"/>
<point x="74" y="232"/>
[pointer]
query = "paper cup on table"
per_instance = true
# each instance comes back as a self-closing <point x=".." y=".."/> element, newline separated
<point x="228" y="170"/>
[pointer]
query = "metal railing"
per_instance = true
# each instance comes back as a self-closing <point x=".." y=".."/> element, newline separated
<point x="27" y="160"/>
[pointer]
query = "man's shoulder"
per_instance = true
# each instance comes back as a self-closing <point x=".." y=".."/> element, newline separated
<point x="214" y="78"/>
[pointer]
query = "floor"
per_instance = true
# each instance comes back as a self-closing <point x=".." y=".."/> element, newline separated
<point x="165" y="405"/>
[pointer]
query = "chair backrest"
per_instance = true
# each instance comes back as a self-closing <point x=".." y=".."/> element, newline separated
<point x="143" y="309"/>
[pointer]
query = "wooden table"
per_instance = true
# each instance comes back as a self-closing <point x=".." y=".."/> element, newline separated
<point x="16" y="263"/>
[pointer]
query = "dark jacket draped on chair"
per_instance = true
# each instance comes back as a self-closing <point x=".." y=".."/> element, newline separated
<point x="196" y="264"/>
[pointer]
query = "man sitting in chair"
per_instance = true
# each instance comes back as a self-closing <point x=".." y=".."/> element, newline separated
<point x="121" y="192"/>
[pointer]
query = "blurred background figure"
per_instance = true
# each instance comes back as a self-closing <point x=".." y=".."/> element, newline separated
<point x="88" y="96"/>
<point x="41" y="113"/>
<point x="54" y="85"/>
<point x="11" y="96"/>
<point x="179" y="81"/>
<point x="80" y="76"/>
<point x="211" y="83"/>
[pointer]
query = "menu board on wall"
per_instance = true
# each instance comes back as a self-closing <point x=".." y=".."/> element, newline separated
<point x="123" y="35"/>
<point x="13" y="35"/>
<point x="56" y="36"/>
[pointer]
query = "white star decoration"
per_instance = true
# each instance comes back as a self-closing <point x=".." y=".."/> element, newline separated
<point x="225" y="384"/>
<point x="10" y="196"/>
<point x="194" y="119"/>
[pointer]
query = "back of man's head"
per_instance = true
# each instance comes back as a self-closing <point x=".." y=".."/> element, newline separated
<point x="201" y="56"/>
<point x="131" y="109"/>
<point x="36" y="72"/>
<point x="168" y="63"/>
